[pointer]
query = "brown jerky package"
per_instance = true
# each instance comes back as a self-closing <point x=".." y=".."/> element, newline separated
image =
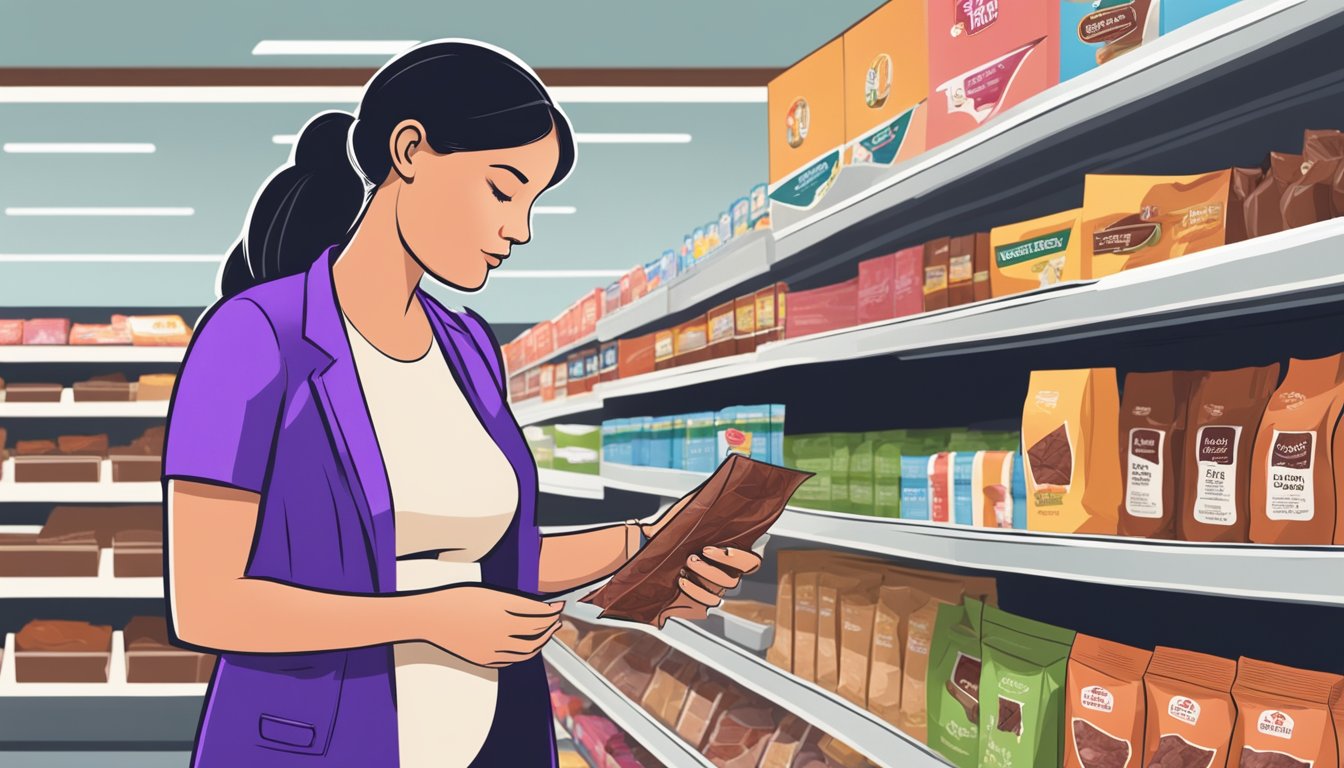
<point x="1292" y="472"/>
<point x="834" y="585"/>
<point x="737" y="504"/>
<point x="1224" y="412"/>
<point x="786" y="743"/>
<point x="1283" y="716"/>
<point x="633" y="670"/>
<point x="667" y="691"/>
<point x="1190" y="710"/>
<point x="1104" y="711"/>
<point x="1244" y="182"/>
<point x="780" y="652"/>
<point x="1311" y="196"/>
<point x="1152" y="430"/>
<point x="703" y="704"/>
<point x="1264" y="212"/>
<point x="740" y="736"/>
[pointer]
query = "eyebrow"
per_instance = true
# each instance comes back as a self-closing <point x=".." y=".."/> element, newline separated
<point x="512" y="170"/>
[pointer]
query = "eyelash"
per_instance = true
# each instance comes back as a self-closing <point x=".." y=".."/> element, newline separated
<point x="500" y="196"/>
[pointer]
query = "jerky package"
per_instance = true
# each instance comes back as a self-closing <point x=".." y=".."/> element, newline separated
<point x="733" y="508"/>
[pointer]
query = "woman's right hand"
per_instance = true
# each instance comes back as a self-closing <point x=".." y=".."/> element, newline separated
<point x="487" y="627"/>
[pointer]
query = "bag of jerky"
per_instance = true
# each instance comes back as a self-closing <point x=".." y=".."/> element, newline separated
<point x="1152" y="428"/>
<point x="1022" y="675"/>
<point x="1190" y="709"/>
<point x="1264" y="214"/>
<point x="1104" y="713"/>
<point x="1310" y="197"/>
<point x="953" y="688"/>
<point x="1244" y="182"/>
<point x="1283" y="716"/>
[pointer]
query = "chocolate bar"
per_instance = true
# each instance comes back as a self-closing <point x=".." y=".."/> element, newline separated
<point x="1051" y="458"/>
<point x="632" y="672"/>
<point x="137" y="554"/>
<point x="132" y="465"/>
<point x="667" y="691"/>
<point x="102" y="522"/>
<point x="47" y="651"/>
<point x="11" y="332"/>
<point x="35" y="448"/>
<point x="57" y="469"/>
<point x="737" y="504"/>
<point x="1097" y="749"/>
<point x="82" y="445"/>
<point x="46" y="330"/>
<point x="104" y="390"/>
<point x="151" y="658"/>
<point x="33" y="393"/>
<point x="23" y="554"/>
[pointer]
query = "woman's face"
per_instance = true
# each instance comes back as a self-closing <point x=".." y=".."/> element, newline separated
<point x="460" y="213"/>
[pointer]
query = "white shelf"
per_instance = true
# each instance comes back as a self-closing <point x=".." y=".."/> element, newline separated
<point x="671" y="483"/>
<point x="116" y="687"/>
<point x="534" y="411"/>
<point x="90" y="354"/>
<point x="575" y="484"/>
<point x="68" y="408"/>
<point x="104" y="585"/>
<point x="558" y="354"/>
<point x="863" y="731"/>
<point x="651" y="308"/>
<point x="632" y="718"/>
<point x="78" y="493"/>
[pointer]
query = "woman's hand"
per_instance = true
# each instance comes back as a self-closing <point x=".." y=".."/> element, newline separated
<point x="487" y="627"/>
<point x="706" y="577"/>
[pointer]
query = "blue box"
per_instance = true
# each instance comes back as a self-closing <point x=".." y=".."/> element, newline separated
<point x="643" y="429"/>
<point x="1019" y="493"/>
<point x="915" y="487"/>
<point x="963" y="507"/>
<point x="700" y="443"/>
<point x="1178" y="13"/>
<point x="1083" y="20"/>
<point x="608" y="440"/>
<point x="677" y="442"/>
<point x="777" y="434"/>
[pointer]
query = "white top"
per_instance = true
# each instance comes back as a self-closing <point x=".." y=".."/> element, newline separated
<point x="454" y="493"/>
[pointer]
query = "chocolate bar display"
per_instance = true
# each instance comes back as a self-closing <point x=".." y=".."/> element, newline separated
<point x="23" y="554"/>
<point x="82" y="445"/>
<point x="1098" y="749"/>
<point x="109" y="388"/>
<point x="102" y="522"/>
<point x="737" y="504"/>
<point x="47" y="651"/>
<point x="632" y="672"/>
<point x="32" y="393"/>
<point x="740" y="736"/>
<point x="57" y="469"/>
<point x="137" y="553"/>
<point x="1051" y="458"/>
<point x="151" y="658"/>
<point x="703" y="705"/>
<point x="155" y="386"/>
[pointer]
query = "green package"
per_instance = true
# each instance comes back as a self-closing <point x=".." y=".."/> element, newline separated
<point x="810" y="453"/>
<point x="861" y="476"/>
<point x="953" y="690"/>
<point x="577" y="448"/>
<point x="542" y="445"/>
<point x="841" y="446"/>
<point x="887" y="472"/>
<point x="1022" y="691"/>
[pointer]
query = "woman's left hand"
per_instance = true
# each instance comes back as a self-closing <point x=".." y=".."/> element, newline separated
<point x="705" y="577"/>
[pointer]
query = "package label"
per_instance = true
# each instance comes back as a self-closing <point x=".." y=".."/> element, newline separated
<point x="1035" y="248"/>
<point x="1143" y="480"/>
<point x="935" y="279"/>
<point x="806" y="187"/>
<point x="1290" y="490"/>
<point x="1216" y="483"/>
<point x="978" y="93"/>
<point x="973" y="16"/>
<point x="883" y="144"/>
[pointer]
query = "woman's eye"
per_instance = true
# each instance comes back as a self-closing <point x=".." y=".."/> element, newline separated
<point x="500" y="196"/>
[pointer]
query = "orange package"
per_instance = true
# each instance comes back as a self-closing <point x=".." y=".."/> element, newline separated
<point x="1190" y="709"/>
<point x="1104" y="712"/>
<point x="1284" y="716"/>
<point x="1133" y="221"/>
<point x="159" y="330"/>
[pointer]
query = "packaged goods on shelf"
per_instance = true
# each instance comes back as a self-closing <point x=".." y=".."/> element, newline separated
<point x="819" y="310"/>
<point x="744" y="324"/>
<point x="141" y="461"/>
<point x="607" y="360"/>
<point x="691" y="342"/>
<point x="578" y="448"/>
<point x="770" y="313"/>
<point x="937" y="256"/>
<point x="1105" y="708"/>
<point x="1037" y="253"/>
<point x="806" y="121"/>
<point x="787" y="742"/>
<point x="740" y="211"/>
<point x="102" y="522"/>
<point x="112" y="387"/>
<point x="1225" y="410"/>
<point x="611" y="300"/>
<point x="16" y="392"/>
<point x="1092" y="33"/>
<point x="547" y="381"/>
<point x="46" y="331"/>
<point x="706" y="700"/>
<point x="1022" y="691"/>
<point x="1069" y="433"/>
<point x="886" y="85"/>
<point x="58" y="651"/>
<point x="965" y="253"/>
<point x="1317" y="193"/>
<point x="137" y="554"/>
<point x="1190" y="708"/>
<point x="700" y="450"/>
<point x="1178" y="13"/>
<point x="159" y="330"/>
<point x="954" y="682"/>
<point x="725" y="228"/>
<point x="542" y="445"/>
<point x="635" y="357"/>
<point x="1283" y="716"/>
<point x="11" y="332"/>
<point x="987" y="56"/>
<point x="1264" y="212"/>
<point x="891" y="286"/>
<point x="669" y="688"/>
<point x="760" y="207"/>
<point x="740" y="735"/>
<point x="1131" y="221"/>
<point x="30" y="554"/>
<point x="835" y="585"/>
<point x="151" y="658"/>
<point x="51" y="467"/>
<point x="721" y="331"/>
<point x="1293" y="473"/>
<point x="116" y="332"/>
<point x="1152" y="439"/>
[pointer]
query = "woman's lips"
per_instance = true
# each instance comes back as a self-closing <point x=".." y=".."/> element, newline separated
<point x="493" y="260"/>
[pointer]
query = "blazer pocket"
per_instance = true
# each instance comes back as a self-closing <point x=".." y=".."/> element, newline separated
<point x="298" y="698"/>
<point x="291" y="733"/>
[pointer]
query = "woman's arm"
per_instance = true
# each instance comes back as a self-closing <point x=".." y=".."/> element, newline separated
<point x="214" y="606"/>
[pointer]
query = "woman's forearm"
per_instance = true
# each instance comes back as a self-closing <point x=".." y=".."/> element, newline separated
<point x="570" y="560"/>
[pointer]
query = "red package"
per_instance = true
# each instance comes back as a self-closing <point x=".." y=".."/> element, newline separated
<point x="46" y="330"/>
<point x="877" y="283"/>
<point x="91" y="333"/>
<point x="543" y="339"/>
<point x="822" y="309"/>
<point x="591" y="308"/>
<point x="11" y="332"/>
<point x="908" y="293"/>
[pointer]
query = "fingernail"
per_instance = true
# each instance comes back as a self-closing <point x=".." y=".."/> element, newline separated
<point x="707" y="550"/>
<point x="695" y="558"/>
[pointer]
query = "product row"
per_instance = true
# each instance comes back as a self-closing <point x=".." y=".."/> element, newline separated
<point x="696" y="442"/>
<point x="730" y="726"/>
<point x="138" y="330"/>
<point x="58" y="651"/>
<point x="602" y="742"/>
<point x="107" y="388"/>
<point x="72" y="541"/>
<point x="79" y="458"/>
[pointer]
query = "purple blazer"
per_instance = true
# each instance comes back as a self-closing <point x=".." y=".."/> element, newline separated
<point x="268" y="400"/>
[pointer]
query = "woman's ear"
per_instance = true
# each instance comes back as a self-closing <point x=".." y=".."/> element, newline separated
<point x="407" y="139"/>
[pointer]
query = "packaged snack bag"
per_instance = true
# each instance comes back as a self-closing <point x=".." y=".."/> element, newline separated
<point x="1069" y="433"/>
<point x="1152" y="435"/>
<point x="1284" y="716"/>
<point x="1132" y="221"/>
<point x="953" y="687"/>
<point x="1190" y="709"/>
<point x="1022" y="690"/>
<point x="1037" y="254"/>
<point x="1105" y="706"/>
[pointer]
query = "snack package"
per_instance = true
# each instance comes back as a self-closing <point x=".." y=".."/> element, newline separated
<point x="744" y="324"/>
<point x="11" y="332"/>
<point x="786" y="743"/>
<point x="937" y="257"/>
<point x="1092" y="32"/>
<point x="1152" y="436"/>
<point x="987" y="56"/>
<point x="961" y="270"/>
<point x="159" y="330"/>
<point x="858" y="612"/>
<point x="1133" y="221"/>
<point x="1263" y="207"/>
<point x="1190" y="709"/>
<point x="885" y="672"/>
<point x="1105" y="705"/>
<point x="739" y="737"/>
<point x="1037" y="254"/>
<point x="832" y="585"/>
<point x="920" y="624"/>
<point x="887" y="473"/>
<point x="822" y="309"/>
<point x="890" y="286"/>
<point x="706" y="700"/>
<point x="46" y="330"/>
<point x="805" y="584"/>
<point x="993" y="501"/>
<point x="886" y="85"/>
<point x="1069" y="433"/>
<point x="1284" y="716"/>
<point x="1244" y="182"/>
<point x="116" y="332"/>
<point x="672" y="681"/>
<point x="1292" y="494"/>
<point x="806" y="109"/>
<point x="953" y="687"/>
<point x="1224" y="412"/>
<point x="1022" y="690"/>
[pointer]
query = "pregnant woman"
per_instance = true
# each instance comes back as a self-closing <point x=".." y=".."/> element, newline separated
<point x="351" y="504"/>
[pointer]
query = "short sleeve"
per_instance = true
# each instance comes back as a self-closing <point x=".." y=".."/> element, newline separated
<point x="226" y="409"/>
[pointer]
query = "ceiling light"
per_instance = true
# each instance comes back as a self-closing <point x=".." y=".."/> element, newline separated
<point x="554" y="209"/>
<point x="115" y="258"/>
<point x="92" y="211"/>
<point x="284" y="138"/>
<point x="331" y="47"/>
<point x="53" y="148"/>
<point x="633" y="138"/>
<point x="526" y="274"/>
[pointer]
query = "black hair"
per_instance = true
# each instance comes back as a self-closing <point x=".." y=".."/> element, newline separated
<point x="468" y="96"/>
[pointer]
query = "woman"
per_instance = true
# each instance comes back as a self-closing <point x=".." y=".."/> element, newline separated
<point x="351" y="519"/>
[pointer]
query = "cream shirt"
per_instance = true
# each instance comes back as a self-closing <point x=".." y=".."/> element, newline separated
<point x="454" y="495"/>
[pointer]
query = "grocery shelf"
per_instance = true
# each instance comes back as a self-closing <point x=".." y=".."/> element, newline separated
<point x="575" y="484"/>
<point x="652" y="308"/>
<point x="116" y="687"/>
<point x="672" y="483"/>
<point x="78" y="493"/>
<point x="863" y="731"/>
<point x="90" y="354"/>
<point x="68" y="408"/>
<point x="535" y="411"/>
<point x="104" y="585"/>
<point x="632" y="718"/>
<point x="558" y="354"/>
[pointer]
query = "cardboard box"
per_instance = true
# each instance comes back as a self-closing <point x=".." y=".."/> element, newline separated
<point x="822" y="309"/>
<point x="664" y="348"/>
<point x="722" y="329"/>
<point x="612" y="300"/>
<point x="744" y="323"/>
<point x="1178" y="13"/>
<point x="547" y="383"/>
<point x="607" y="362"/>
<point x="980" y="281"/>
<point x="591" y="308"/>
<point x="543" y="340"/>
<point x="985" y="57"/>
<point x="886" y="85"/>
<point x="770" y="313"/>
<point x="806" y="120"/>
<point x="1092" y="32"/>
<point x="1132" y="221"/>
<point x="1037" y="253"/>
<point x="574" y="379"/>
<point x="532" y="383"/>
<point x="961" y="270"/>
<point x="638" y="283"/>
<point x="937" y="256"/>
<point x="691" y="342"/>
<point x="635" y="357"/>
<point x="561" y="373"/>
